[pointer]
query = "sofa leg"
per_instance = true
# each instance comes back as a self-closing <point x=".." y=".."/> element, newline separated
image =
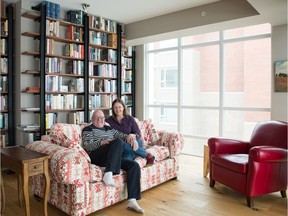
<point x="212" y="183"/>
<point x="283" y="194"/>
<point x="38" y="198"/>
<point x="250" y="202"/>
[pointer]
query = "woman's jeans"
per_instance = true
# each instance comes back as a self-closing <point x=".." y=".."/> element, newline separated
<point x="129" y="153"/>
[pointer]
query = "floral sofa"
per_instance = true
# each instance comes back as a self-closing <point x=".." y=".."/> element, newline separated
<point x="76" y="185"/>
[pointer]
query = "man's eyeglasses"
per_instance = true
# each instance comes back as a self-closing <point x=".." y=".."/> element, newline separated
<point x="99" y="117"/>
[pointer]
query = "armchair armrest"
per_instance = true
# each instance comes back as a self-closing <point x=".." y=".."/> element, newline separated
<point x="65" y="165"/>
<point x="219" y="145"/>
<point x="173" y="140"/>
<point x="268" y="154"/>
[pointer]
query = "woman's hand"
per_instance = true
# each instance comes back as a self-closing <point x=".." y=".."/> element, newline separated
<point x="130" y="139"/>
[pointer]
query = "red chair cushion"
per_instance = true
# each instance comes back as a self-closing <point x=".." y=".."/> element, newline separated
<point x="235" y="162"/>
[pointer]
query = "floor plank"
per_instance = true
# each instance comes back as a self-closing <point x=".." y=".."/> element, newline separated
<point x="189" y="195"/>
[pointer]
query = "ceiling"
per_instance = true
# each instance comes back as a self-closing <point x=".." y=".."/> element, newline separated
<point x="129" y="11"/>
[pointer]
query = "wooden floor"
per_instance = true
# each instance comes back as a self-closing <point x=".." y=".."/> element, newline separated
<point x="189" y="195"/>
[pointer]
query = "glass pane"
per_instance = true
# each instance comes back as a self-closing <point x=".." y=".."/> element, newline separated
<point x="248" y="73"/>
<point x="163" y="44"/>
<point x="200" y="83"/>
<point x="193" y="146"/>
<point x="240" y="124"/>
<point x="200" y="122"/>
<point x="163" y="87"/>
<point x="164" y="118"/>
<point x="248" y="31"/>
<point x="201" y="38"/>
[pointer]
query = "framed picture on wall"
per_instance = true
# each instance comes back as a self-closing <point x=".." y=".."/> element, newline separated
<point x="281" y="76"/>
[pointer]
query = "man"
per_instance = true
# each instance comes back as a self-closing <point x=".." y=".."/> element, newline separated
<point x="105" y="147"/>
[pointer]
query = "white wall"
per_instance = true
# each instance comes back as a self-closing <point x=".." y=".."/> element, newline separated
<point x="279" y="52"/>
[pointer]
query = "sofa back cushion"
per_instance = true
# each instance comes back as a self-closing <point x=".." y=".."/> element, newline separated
<point x="148" y="132"/>
<point x="69" y="136"/>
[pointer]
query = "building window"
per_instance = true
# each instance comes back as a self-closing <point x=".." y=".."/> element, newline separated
<point x="214" y="84"/>
<point x="168" y="78"/>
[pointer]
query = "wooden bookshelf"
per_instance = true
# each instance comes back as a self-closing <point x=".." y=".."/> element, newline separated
<point x="7" y="123"/>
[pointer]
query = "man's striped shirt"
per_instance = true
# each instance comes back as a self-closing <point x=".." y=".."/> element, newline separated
<point x="92" y="136"/>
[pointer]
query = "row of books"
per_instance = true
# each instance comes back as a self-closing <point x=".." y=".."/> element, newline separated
<point x="102" y="85"/>
<point x="3" y="103"/>
<point x="67" y="101"/>
<point x="74" y="33"/>
<point x="50" y="119"/>
<point x="107" y="70"/>
<point x="74" y="50"/>
<point x="127" y="63"/>
<point x="108" y="55"/>
<point x="126" y="87"/>
<point x="52" y="28"/>
<point x="50" y="46"/>
<point x="101" y="101"/>
<point x="98" y="38"/>
<point x="3" y="120"/>
<point x="3" y="84"/>
<point x="55" y="84"/>
<point x="3" y="65"/>
<point x="4" y="27"/>
<point x="76" y="117"/>
<point x="4" y="140"/>
<point x="127" y="99"/>
<point x="3" y="46"/>
<point x="102" y="24"/>
<point x="75" y="16"/>
<point x="127" y="74"/>
<point x="52" y="9"/>
<point x="53" y="65"/>
<point x="75" y="67"/>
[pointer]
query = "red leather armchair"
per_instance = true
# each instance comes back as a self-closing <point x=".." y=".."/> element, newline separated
<point x="253" y="168"/>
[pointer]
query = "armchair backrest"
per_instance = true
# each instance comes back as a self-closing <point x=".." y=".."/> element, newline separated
<point x="270" y="133"/>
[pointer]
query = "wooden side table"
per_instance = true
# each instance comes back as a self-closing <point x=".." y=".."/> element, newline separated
<point x="25" y="163"/>
<point x="206" y="161"/>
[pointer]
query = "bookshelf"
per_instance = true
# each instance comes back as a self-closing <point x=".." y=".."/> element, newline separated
<point x="128" y="77"/>
<point x="7" y="128"/>
<point x="74" y="65"/>
<point x="103" y="63"/>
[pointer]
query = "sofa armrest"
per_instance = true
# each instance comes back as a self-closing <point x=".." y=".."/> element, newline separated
<point x="219" y="145"/>
<point x="268" y="154"/>
<point x="65" y="165"/>
<point x="173" y="140"/>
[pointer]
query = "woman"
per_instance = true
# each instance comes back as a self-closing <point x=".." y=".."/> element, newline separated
<point x="122" y="121"/>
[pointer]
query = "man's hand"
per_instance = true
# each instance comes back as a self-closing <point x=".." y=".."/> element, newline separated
<point x="105" y="142"/>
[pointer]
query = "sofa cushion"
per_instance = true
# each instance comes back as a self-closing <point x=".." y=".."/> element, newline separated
<point x="159" y="152"/>
<point x="235" y="162"/>
<point x="69" y="136"/>
<point x="148" y="132"/>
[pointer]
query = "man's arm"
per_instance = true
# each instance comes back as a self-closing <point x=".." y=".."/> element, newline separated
<point x="91" y="140"/>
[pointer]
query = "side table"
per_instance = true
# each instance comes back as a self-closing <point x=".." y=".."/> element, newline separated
<point x="206" y="161"/>
<point x="25" y="163"/>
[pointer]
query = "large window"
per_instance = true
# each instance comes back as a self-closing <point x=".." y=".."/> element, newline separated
<point x="214" y="84"/>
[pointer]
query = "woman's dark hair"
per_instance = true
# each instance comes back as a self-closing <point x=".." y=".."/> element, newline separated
<point x="125" y="111"/>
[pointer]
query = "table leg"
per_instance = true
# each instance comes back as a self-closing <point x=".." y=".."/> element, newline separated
<point x="20" y="189"/>
<point x="47" y="186"/>
<point x="25" y="190"/>
<point x="206" y="161"/>
<point x="2" y="194"/>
